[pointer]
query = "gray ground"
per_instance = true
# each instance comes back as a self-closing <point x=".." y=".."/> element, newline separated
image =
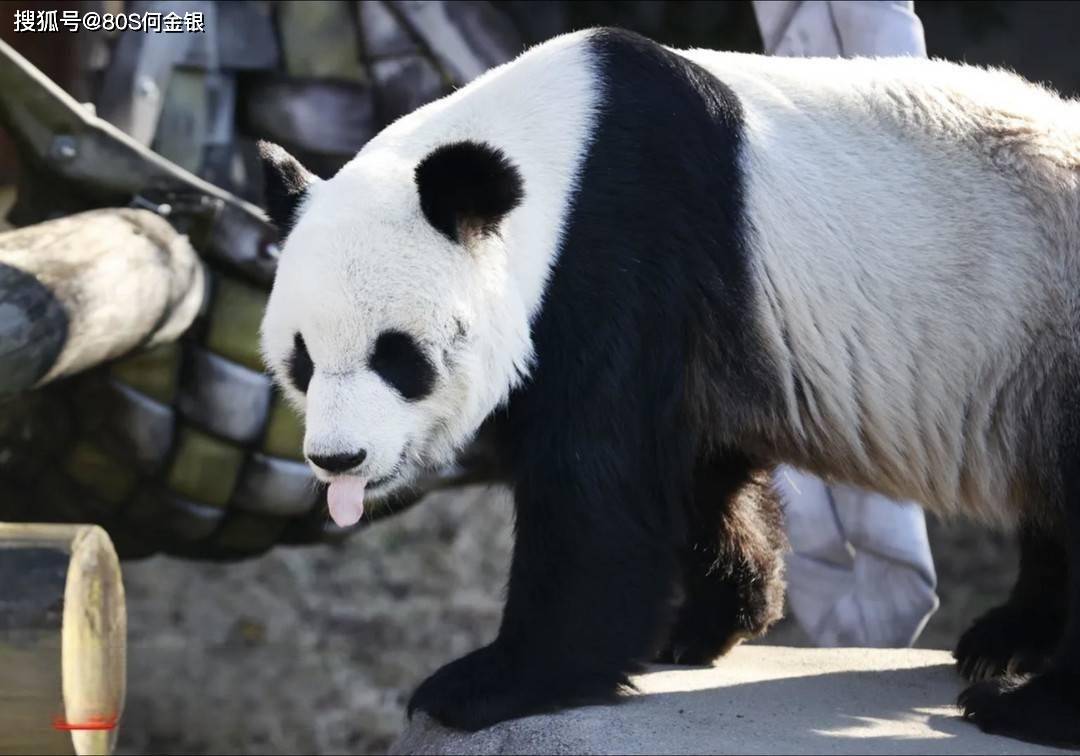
<point x="310" y="650"/>
<point x="760" y="700"/>
<point x="316" y="650"/>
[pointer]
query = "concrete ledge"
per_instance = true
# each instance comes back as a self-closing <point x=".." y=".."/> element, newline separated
<point x="758" y="700"/>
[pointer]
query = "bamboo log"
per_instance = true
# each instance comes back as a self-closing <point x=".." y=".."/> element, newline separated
<point x="63" y="634"/>
<point x="83" y="289"/>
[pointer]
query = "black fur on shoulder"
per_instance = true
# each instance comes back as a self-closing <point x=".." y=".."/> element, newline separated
<point x="285" y="185"/>
<point x="467" y="188"/>
<point x="607" y="442"/>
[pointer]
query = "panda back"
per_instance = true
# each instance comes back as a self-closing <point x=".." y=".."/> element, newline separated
<point x="914" y="230"/>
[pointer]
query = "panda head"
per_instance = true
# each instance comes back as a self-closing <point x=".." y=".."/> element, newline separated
<point x="394" y="323"/>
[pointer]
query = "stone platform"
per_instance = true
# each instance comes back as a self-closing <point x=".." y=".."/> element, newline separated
<point x="757" y="700"/>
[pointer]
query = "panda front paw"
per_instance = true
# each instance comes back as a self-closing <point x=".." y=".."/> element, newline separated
<point x="488" y="686"/>
<point x="1007" y="640"/>
<point x="698" y="648"/>
<point x="470" y="693"/>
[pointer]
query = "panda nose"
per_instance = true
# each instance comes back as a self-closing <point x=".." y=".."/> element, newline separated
<point x="338" y="463"/>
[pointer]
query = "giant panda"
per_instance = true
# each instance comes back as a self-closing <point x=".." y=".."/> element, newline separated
<point x="655" y="273"/>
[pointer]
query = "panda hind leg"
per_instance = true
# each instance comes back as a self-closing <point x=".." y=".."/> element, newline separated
<point x="1020" y="636"/>
<point x="732" y="582"/>
<point x="1045" y="707"/>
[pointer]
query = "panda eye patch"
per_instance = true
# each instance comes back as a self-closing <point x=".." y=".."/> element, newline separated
<point x="299" y="364"/>
<point x="399" y="361"/>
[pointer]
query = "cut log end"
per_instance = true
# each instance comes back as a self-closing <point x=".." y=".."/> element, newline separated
<point x="63" y="635"/>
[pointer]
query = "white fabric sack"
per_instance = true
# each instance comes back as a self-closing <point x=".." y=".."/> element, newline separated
<point x="860" y="572"/>
<point x="819" y="28"/>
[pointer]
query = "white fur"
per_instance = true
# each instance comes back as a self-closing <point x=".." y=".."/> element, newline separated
<point x="917" y="238"/>
<point x="363" y="259"/>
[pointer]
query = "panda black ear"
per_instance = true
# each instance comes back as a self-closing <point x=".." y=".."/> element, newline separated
<point x="467" y="188"/>
<point x="285" y="185"/>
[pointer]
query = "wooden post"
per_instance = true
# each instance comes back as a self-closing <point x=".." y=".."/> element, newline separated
<point x="83" y="289"/>
<point x="63" y="640"/>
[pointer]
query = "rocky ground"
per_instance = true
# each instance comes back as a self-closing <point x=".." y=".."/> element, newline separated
<point x="310" y="650"/>
<point x="315" y="650"/>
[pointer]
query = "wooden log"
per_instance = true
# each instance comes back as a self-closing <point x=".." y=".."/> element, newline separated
<point x="83" y="289"/>
<point x="63" y="635"/>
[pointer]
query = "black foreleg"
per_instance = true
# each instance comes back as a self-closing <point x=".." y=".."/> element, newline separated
<point x="589" y="598"/>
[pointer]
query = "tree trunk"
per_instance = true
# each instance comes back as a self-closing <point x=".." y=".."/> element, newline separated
<point x="63" y="636"/>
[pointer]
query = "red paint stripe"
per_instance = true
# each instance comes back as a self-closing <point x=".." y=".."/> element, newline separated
<point x="93" y="723"/>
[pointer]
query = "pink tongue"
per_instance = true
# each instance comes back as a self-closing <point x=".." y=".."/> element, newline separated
<point x="346" y="500"/>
